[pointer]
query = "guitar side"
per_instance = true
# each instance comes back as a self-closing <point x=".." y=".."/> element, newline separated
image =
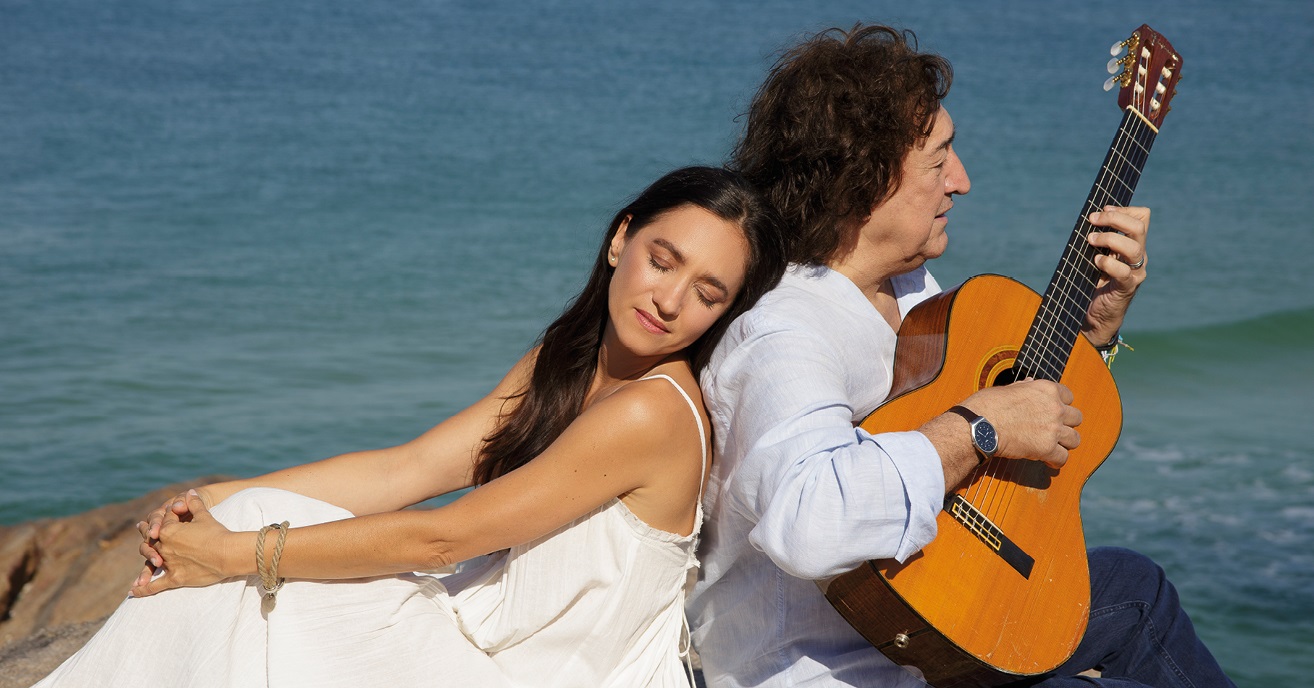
<point x="970" y="609"/>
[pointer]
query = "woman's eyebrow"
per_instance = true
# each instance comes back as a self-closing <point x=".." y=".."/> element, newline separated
<point x="675" y="252"/>
<point x="678" y="257"/>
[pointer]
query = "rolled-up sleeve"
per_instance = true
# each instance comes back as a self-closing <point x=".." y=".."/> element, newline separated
<point x="824" y="495"/>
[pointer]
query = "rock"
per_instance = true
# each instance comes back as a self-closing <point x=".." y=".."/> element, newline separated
<point x="18" y="562"/>
<point x="30" y="659"/>
<point x="60" y="578"/>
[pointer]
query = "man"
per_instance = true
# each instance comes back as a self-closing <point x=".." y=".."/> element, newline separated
<point x="848" y="138"/>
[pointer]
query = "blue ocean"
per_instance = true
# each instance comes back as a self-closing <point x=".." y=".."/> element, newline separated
<point x="241" y="235"/>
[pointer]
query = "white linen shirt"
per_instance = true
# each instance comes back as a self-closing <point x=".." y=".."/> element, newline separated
<point x="797" y="492"/>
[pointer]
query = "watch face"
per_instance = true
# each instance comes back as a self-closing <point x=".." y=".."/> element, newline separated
<point x="983" y="434"/>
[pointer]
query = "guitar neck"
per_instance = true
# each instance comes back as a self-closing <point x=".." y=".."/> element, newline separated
<point x="1044" y="354"/>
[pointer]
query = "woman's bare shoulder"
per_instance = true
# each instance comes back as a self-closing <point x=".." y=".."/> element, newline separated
<point x="653" y="408"/>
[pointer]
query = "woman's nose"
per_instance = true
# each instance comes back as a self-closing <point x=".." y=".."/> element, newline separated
<point x="666" y="298"/>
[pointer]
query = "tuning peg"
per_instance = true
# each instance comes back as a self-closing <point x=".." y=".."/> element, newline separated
<point x="1115" y="65"/>
<point x="1108" y="85"/>
<point x="1117" y="48"/>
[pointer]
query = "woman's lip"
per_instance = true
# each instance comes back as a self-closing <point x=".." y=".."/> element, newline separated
<point x="650" y="323"/>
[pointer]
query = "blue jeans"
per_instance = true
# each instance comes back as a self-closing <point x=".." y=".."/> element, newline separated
<point x="1138" y="634"/>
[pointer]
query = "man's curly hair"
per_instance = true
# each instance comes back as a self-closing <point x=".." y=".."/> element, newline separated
<point x="828" y="131"/>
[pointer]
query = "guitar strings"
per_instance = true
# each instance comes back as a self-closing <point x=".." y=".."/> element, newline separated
<point x="1043" y="354"/>
<point x="1054" y="352"/>
<point x="1138" y="101"/>
<point x="1067" y="295"/>
<point x="1067" y="321"/>
<point x="1064" y="307"/>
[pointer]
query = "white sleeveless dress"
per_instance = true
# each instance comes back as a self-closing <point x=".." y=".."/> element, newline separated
<point x="597" y="603"/>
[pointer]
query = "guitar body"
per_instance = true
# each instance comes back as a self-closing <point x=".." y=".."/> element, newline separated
<point x="959" y="610"/>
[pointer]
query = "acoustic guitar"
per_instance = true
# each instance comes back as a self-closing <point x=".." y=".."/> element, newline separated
<point x="1003" y="591"/>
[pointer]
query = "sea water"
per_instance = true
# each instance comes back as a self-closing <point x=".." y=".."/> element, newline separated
<point x="239" y="236"/>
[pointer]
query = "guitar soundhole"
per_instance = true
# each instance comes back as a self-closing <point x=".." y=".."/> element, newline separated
<point x="1006" y="377"/>
<point x="998" y="368"/>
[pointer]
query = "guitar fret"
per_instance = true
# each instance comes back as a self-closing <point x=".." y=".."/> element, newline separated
<point x="1131" y="162"/>
<point x="1110" y="193"/>
<point x="1118" y="175"/>
<point x="1143" y="149"/>
<point x="1085" y="265"/>
<point x="1071" y="308"/>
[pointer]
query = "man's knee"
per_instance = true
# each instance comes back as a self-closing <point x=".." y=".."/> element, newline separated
<point x="1118" y="574"/>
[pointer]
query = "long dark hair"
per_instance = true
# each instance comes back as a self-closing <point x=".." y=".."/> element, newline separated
<point x="568" y="353"/>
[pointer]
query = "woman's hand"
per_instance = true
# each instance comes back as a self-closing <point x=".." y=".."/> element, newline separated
<point x="189" y="546"/>
<point x="150" y="528"/>
<point x="1123" y="268"/>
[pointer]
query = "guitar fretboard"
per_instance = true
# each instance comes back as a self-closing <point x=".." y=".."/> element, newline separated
<point x="1044" y="355"/>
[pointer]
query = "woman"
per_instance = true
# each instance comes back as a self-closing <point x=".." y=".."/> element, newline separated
<point x="589" y="456"/>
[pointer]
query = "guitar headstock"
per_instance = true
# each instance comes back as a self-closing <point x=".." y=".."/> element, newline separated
<point x="1147" y="73"/>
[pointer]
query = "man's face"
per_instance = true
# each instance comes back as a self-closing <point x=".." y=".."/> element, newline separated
<point x="908" y="229"/>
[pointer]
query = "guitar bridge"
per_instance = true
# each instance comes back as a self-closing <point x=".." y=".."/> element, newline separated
<point x="987" y="532"/>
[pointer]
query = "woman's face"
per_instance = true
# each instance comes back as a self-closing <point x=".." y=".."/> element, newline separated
<point x="673" y="279"/>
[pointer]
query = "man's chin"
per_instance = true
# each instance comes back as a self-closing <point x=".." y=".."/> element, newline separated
<point x="936" y="247"/>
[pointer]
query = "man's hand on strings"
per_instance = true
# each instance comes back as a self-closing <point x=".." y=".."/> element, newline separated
<point x="1123" y="268"/>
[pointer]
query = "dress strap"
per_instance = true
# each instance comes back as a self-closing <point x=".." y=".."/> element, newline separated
<point x="702" y="434"/>
<point x="686" y="638"/>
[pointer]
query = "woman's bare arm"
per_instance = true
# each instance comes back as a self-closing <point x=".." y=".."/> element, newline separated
<point x="633" y="440"/>
<point x="367" y="482"/>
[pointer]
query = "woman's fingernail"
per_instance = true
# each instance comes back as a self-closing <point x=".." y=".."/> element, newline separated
<point x="192" y="492"/>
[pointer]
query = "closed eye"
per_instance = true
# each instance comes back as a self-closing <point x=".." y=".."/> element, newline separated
<point x="711" y="295"/>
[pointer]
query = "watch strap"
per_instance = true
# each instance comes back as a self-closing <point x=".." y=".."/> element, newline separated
<point x="971" y="418"/>
<point x="965" y="412"/>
